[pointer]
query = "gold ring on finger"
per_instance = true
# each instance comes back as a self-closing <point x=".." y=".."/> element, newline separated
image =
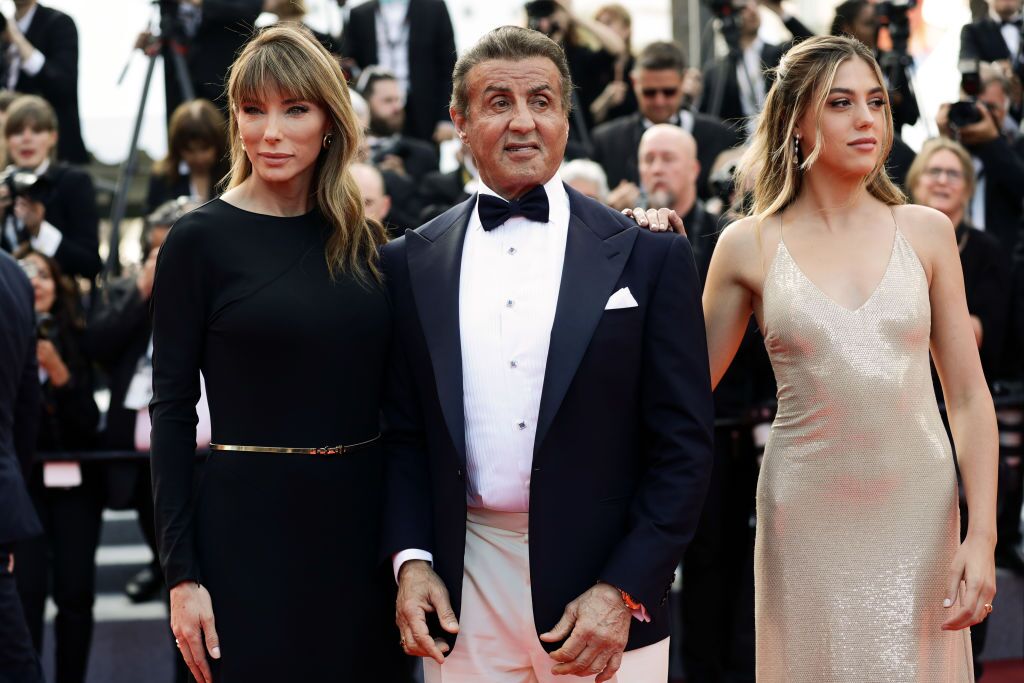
<point x="988" y="608"/>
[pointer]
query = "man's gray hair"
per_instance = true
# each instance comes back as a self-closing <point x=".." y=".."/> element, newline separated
<point x="509" y="43"/>
<point x="587" y="170"/>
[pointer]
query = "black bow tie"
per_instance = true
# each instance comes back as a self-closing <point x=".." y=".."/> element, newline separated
<point x="494" y="211"/>
<point x="1018" y="22"/>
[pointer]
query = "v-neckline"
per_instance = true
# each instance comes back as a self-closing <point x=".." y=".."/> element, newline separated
<point x="871" y="296"/>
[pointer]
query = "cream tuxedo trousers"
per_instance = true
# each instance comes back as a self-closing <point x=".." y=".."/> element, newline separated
<point x="497" y="640"/>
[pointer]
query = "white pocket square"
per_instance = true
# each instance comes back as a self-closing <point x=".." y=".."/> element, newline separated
<point x="621" y="299"/>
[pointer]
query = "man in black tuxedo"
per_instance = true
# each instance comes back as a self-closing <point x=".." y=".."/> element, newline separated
<point x="736" y="85"/>
<point x="382" y="33"/>
<point x="548" y="413"/>
<point x="41" y="58"/>
<point x="996" y="37"/>
<point x="19" y="414"/>
<point x="658" y="83"/>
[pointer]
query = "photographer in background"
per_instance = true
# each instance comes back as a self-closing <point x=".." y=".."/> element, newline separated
<point x="40" y="57"/>
<point x="68" y="496"/>
<point x="976" y="122"/>
<point x="197" y="142"/>
<point x="57" y="215"/>
<point x="591" y="49"/>
<point x="617" y="98"/>
<point x="390" y="149"/>
<point x="996" y="38"/>
<point x="736" y="84"/>
<point x="422" y="60"/>
<point x="861" y="19"/>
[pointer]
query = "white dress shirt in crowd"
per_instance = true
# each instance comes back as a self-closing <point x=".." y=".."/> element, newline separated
<point x="393" y="39"/>
<point x="1011" y="34"/>
<point x="508" y="291"/>
<point x="30" y="66"/>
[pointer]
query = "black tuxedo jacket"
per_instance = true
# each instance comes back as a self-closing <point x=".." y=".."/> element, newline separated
<point x="616" y="144"/>
<point x="71" y="208"/>
<point x="1003" y="166"/>
<point x="54" y="34"/>
<point x="431" y="59"/>
<point x="19" y="402"/>
<point x="731" y="111"/>
<point x="624" y="435"/>
<point x="983" y="40"/>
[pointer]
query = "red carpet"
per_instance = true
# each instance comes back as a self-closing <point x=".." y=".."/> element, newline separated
<point x="1007" y="671"/>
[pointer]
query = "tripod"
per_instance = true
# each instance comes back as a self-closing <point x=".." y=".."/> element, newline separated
<point x="169" y="43"/>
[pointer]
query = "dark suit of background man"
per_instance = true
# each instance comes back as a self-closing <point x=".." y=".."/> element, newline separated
<point x="996" y="37"/>
<point x="413" y="39"/>
<point x="658" y="83"/>
<point x="19" y="406"/>
<point x="548" y="413"/>
<point x="743" y="78"/>
<point x="40" y="57"/>
<point x="212" y="33"/>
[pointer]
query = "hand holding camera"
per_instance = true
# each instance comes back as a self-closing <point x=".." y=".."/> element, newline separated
<point x="31" y="213"/>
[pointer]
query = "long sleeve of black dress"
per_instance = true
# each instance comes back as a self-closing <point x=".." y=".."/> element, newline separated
<point x="179" y="324"/>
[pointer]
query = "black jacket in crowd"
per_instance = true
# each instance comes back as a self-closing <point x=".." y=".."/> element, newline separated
<point x="1003" y="168"/>
<point x="986" y="267"/>
<point x="617" y="143"/>
<point x="54" y="34"/>
<point x="19" y="402"/>
<point x="71" y="208"/>
<point x="431" y="59"/>
<point x="723" y="70"/>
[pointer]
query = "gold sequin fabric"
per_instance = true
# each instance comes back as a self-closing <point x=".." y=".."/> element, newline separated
<point x="857" y="518"/>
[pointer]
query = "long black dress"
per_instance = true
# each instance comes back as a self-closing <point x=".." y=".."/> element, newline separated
<point x="287" y="545"/>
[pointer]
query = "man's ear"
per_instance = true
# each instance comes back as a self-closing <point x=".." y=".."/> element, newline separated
<point x="460" y="122"/>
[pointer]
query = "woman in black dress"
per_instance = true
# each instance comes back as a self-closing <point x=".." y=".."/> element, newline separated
<point x="273" y="291"/>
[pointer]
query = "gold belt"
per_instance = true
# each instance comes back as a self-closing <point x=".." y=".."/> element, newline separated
<point x="341" y="449"/>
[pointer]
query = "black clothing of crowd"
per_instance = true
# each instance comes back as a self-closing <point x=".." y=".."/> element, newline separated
<point x="104" y="339"/>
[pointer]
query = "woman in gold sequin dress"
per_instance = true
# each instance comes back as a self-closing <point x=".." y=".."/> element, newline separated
<point x="860" y="574"/>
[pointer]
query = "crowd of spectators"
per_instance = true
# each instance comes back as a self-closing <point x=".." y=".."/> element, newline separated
<point x="647" y="129"/>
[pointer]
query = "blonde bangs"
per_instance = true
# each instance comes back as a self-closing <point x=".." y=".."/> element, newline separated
<point x="277" y="67"/>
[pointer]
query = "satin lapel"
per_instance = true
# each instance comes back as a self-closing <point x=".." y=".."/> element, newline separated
<point x="435" y="263"/>
<point x="592" y="267"/>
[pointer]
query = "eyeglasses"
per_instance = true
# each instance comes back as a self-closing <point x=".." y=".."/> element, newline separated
<point x="651" y="93"/>
<point x="951" y="173"/>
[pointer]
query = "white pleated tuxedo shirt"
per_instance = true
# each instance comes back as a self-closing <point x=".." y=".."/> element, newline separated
<point x="508" y="291"/>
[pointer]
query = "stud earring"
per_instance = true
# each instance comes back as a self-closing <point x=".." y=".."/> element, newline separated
<point x="328" y="139"/>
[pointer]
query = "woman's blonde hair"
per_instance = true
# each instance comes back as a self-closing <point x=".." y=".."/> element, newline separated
<point x="928" y="150"/>
<point x="803" y="80"/>
<point x="287" y="58"/>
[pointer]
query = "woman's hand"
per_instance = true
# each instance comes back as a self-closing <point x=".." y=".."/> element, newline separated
<point x="192" y="623"/>
<point x="656" y="220"/>
<point x="973" y="565"/>
<point x="30" y="213"/>
<point x="50" y="360"/>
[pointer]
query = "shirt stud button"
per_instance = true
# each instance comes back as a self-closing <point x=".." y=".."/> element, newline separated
<point x="511" y="251"/>
<point x="510" y="303"/>
<point x="513" y="364"/>
<point x="521" y="425"/>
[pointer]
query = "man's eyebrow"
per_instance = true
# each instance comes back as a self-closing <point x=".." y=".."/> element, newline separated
<point x="849" y="91"/>
<point x="501" y="87"/>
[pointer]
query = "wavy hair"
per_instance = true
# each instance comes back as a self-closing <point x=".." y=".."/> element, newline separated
<point x="802" y="81"/>
<point x="287" y="57"/>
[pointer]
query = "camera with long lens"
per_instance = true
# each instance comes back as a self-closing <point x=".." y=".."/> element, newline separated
<point x="893" y="15"/>
<point x="727" y="12"/>
<point x="541" y="9"/>
<point x="965" y="112"/>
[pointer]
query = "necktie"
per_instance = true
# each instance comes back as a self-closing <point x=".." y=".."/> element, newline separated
<point x="494" y="211"/>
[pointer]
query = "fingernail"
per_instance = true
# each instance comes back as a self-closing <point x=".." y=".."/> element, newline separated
<point x="215" y="652"/>
<point x="947" y="602"/>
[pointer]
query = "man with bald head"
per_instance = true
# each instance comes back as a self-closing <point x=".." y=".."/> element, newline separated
<point x="667" y="160"/>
